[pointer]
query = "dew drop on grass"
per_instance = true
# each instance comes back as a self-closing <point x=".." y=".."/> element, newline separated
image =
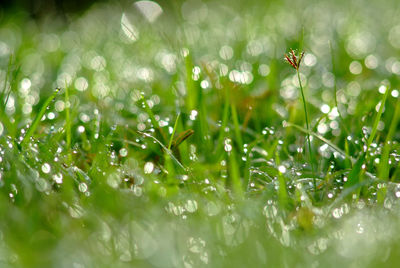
<point x="46" y="168"/>
<point x="193" y="115"/>
<point x="212" y="208"/>
<point x="75" y="211"/>
<point x="58" y="178"/>
<point x="83" y="187"/>
<point x="42" y="185"/>
<point x="113" y="180"/>
<point x="81" y="129"/>
<point x="337" y="213"/>
<point x="191" y="206"/>
<point x="282" y="169"/>
<point x="227" y="146"/>
<point x="148" y="167"/>
<point x="123" y="152"/>
<point x="360" y="228"/>
<point x="137" y="190"/>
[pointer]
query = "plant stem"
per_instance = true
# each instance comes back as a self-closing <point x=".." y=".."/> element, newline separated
<point x="335" y="91"/>
<point x="308" y="129"/>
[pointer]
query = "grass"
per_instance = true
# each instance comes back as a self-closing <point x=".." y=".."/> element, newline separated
<point x="180" y="142"/>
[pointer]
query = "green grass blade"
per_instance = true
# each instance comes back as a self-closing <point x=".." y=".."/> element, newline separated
<point x="153" y="120"/>
<point x="38" y="117"/>
<point x="312" y="160"/>
<point x="383" y="172"/>
<point x="283" y="196"/>
<point x="184" y="135"/>
<point x="234" y="174"/>
<point x="335" y="89"/>
<point x="377" y="119"/>
<point x="236" y="124"/>
<point x="330" y="144"/>
<point x="164" y="148"/>
<point x="173" y="132"/>
<point x="68" y="123"/>
<point x="222" y="133"/>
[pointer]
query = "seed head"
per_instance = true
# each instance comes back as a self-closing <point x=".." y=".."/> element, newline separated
<point x="292" y="59"/>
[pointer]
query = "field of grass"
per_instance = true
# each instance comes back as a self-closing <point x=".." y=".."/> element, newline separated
<point x="174" y="135"/>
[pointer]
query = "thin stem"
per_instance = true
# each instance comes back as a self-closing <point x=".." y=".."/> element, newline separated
<point x="308" y="128"/>
<point x="335" y="90"/>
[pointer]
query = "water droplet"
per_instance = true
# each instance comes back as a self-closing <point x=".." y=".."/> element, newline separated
<point x="123" y="152"/>
<point x="191" y="206"/>
<point x="75" y="211"/>
<point x="58" y="178"/>
<point x="42" y="185"/>
<point x="137" y="190"/>
<point x="282" y="169"/>
<point x="148" y="167"/>
<point x="113" y="180"/>
<point x="212" y="208"/>
<point x="227" y="146"/>
<point x="46" y="168"/>
<point x="360" y="228"/>
<point x="337" y="213"/>
<point x="83" y="187"/>
<point x="81" y="129"/>
<point x="193" y="115"/>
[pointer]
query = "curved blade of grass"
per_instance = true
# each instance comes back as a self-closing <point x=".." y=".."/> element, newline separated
<point x="222" y="133"/>
<point x="236" y="124"/>
<point x="164" y="148"/>
<point x="383" y="172"/>
<point x="377" y="119"/>
<point x="38" y="117"/>
<point x="234" y="172"/>
<point x="312" y="160"/>
<point x="330" y="144"/>
<point x="153" y="120"/>
<point x="68" y="123"/>
<point x="4" y="90"/>
<point x="335" y="89"/>
<point x="356" y="172"/>
<point x="181" y="138"/>
<point x="173" y="132"/>
<point x="282" y="192"/>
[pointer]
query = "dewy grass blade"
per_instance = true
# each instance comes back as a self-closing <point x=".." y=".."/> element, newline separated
<point x="38" y="117"/>
<point x="330" y="144"/>
<point x="184" y="135"/>
<point x="335" y="90"/>
<point x="173" y="131"/>
<point x="355" y="176"/>
<point x="68" y="123"/>
<point x="377" y="119"/>
<point x="153" y="120"/>
<point x="308" y="128"/>
<point x="238" y="132"/>
<point x="164" y="148"/>
<point x="383" y="172"/>
<point x="295" y="63"/>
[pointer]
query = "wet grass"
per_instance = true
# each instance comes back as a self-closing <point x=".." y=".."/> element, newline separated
<point x="181" y="141"/>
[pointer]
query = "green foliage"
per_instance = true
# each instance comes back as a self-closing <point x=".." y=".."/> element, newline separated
<point x="180" y="140"/>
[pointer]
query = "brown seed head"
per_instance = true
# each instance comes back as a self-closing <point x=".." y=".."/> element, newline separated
<point x="292" y="59"/>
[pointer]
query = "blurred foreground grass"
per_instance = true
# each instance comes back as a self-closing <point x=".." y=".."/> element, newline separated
<point x="172" y="135"/>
